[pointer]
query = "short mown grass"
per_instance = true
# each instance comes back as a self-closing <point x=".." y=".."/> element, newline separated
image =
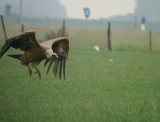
<point x="118" y="85"/>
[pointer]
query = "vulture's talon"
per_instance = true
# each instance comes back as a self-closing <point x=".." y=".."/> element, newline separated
<point x="35" y="72"/>
<point x="39" y="74"/>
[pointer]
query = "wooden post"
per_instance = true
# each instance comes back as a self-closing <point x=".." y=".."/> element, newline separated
<point x="4" y="30"/>
<point x="109" y="37"/>
<point x="135" y="22"/>
<point x="63" y="28"/>
<point x="150" y="40"/>
<point x="22" y="28"/>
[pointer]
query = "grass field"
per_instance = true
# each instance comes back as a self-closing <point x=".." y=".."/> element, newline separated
<point x="126" y="88"/>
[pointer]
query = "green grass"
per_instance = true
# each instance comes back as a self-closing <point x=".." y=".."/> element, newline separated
<point x="95" y="89"/>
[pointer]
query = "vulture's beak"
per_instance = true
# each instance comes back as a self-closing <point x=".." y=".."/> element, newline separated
<point x="47" y="60"/>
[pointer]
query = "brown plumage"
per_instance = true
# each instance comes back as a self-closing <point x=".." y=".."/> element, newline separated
<point x="34" y="52"/>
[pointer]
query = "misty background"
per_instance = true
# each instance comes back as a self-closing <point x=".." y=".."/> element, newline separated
<point x="35" y="8"/>
<point x="51" y="13"/>
<point x="148" y="8"/>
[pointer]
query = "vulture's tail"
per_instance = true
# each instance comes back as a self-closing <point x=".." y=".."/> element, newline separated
<point x="18" y="56"/>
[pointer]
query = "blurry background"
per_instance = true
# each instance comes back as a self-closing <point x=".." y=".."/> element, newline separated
<point x="124" y="15"/>
<point x="50" y="12"/>
<point x="118" y="85"/>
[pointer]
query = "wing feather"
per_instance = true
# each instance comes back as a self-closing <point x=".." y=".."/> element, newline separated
<point x="60" y="46"/>
<point x="24" y="41"/>
<point x="64" y="64"/>
<point x="54" y="43"/>
<point x="52" y="60"/>
<point x="60" y="68"/>
<point x="56" y="67"/>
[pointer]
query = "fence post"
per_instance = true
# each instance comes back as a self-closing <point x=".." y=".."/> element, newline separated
<point x="109" y="37"/>
<point x="4" y="30"/>
<point x="22" y="28"/>
<point x="63" y="28"/>
<point x="135" y="22"/>
<point x="150" y="40"/>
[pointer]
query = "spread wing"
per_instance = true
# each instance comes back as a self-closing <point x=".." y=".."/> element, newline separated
<point x="24" y="41"/>
<point x="60" y="46"/>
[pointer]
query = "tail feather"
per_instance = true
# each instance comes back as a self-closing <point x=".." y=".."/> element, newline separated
<point x="18" y="56"/>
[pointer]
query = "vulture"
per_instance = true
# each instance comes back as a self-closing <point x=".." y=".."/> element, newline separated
<point x="54" y="50"/>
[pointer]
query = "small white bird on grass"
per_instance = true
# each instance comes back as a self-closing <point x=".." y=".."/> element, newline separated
<point x="96" y="48"/>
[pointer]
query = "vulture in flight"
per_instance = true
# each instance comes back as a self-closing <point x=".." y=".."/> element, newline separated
<point x="54" y="50"/>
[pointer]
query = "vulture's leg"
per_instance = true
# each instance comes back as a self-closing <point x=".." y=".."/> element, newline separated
<point x="33" y="65"/>
<point x="37" y="71"/>
<point x="30" y="70"/>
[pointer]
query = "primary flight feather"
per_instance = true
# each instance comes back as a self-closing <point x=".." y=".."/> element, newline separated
<point x="54" y="50"/>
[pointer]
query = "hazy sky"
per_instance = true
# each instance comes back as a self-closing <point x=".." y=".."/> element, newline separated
<point x="98" y="8"/>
